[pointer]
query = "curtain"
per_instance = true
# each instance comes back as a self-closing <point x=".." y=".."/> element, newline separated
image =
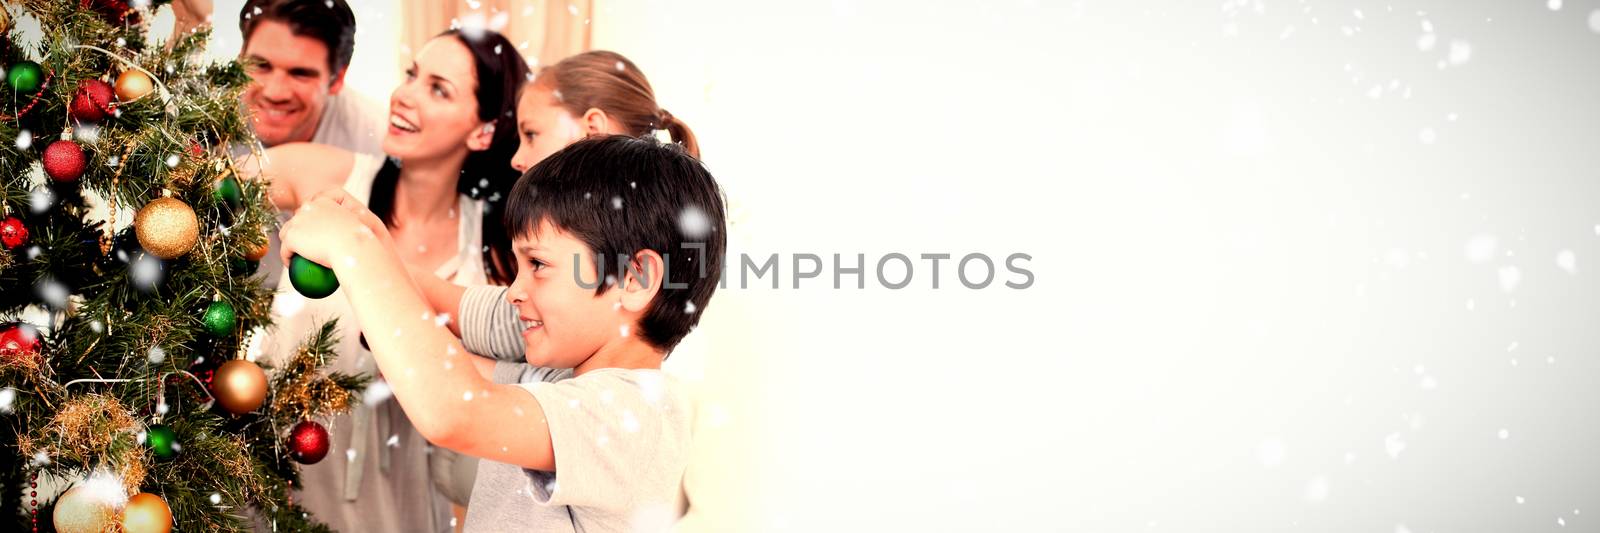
<point x="544" y="31"/>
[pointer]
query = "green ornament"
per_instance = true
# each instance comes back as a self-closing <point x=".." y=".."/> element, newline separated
<point x="163" y="441"/>
<point x="228" y="191"/>
<point x="312" y="280"/>
<point x="243" y="267"/>
<point x="25" y="77"/>
<point x="219" y="319"/>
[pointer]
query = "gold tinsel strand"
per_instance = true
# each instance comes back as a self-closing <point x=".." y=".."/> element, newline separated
<point x="236" y="462"/>
<point x="86" y="426"/>
<point x="308" y="393"/>
<point x="29" y="363"/>
<point x="131" y="468"/>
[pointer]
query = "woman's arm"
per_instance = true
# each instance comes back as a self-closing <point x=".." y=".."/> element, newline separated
<point x="298" y="171"/>
<point x="442" y="296"/>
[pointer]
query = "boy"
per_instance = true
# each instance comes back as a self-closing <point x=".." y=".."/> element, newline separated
<point x="605" y="448"/>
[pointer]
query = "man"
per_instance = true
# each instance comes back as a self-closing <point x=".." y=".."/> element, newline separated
<point x="302" y="51"/>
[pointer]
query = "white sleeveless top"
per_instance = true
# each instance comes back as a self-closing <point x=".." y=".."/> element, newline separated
<point x="376" y="475"/>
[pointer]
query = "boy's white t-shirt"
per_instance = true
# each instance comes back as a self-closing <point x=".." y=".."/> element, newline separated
<point x="621" y="439"/>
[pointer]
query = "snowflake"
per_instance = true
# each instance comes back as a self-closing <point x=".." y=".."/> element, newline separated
<point x="1567" y="261"/>
<point x="146" y="272"/>
<point x="1460" y="52"/>
<point x="694" y="223"/>
<point x="1510" y="277"/>
<point x="1393" y="445"/>
<point x="376" y="393"/>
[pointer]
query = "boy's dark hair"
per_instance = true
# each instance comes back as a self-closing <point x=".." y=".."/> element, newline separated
<point x="329" y="21"/>
<point x="621" y="195"/>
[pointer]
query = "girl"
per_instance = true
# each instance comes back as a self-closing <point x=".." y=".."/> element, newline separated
<point x="592" y="93"/>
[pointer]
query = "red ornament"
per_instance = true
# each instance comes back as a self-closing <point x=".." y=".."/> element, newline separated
<point x="308" y="442"/>
<point x="92" y="101"/>
<point x="13" y="233"/>
<point x="18" y="339"/>
<point x="64" y="161"/>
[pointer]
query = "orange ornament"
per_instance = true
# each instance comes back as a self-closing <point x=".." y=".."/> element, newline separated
<point x="146" y="513"/>
<point x="254" y="251"/>
<point x="133" y="85"/>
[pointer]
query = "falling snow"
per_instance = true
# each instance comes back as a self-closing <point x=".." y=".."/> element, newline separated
<point x="1510" y="277"/>
<point x="1460" y="52"/>
<point x="376" y="393"/>
<point x="42" y="199"/>
<point x="694" y="223"/>
<point x="146" y="272"/>
<point x="53" y="293"/>
<point x="1567" y="261"/>
<point x="1393" y="445"/>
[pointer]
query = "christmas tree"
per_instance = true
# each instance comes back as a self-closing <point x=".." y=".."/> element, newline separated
<point x="127" y="296"/>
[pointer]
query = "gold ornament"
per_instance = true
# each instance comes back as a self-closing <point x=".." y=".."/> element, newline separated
<point x="146" y="513"/>
<point x="5" y="21"/>
<point x="132" y="85"/>
<point x="167" y="227"/>
<point x="80" y="510"/>
<point x="240" y="386"/>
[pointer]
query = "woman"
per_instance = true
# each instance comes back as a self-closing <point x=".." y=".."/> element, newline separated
<point x="451" y="131"/>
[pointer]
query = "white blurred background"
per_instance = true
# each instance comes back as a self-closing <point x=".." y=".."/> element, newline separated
<point x="1300" y="265"/>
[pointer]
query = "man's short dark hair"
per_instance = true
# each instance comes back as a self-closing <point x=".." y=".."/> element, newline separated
<point x="329" y="21"/>
<point x="621" y="195"/>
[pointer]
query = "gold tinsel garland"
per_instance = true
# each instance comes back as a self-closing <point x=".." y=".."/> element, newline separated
<point x="84" y="429"/>
<point x="307" y="393"/>
<point x="131" y="468"/>
<point x="86" y="426"/>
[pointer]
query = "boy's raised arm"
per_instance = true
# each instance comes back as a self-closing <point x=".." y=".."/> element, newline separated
<point x="436" y="380"/>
